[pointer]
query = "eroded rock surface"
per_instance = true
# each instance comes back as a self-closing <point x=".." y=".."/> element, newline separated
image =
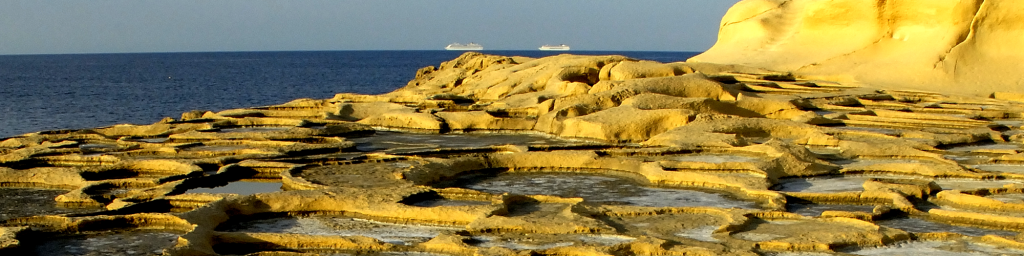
<point x="949" y="46"/>
<point x="563" y="155"/>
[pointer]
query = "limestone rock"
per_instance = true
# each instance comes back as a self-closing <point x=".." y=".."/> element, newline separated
<point x="407" y="120"/>
<point x="650" y="101"/>
<point x="626" y="70"/>
<point x="8" y="237"/>
<point x="960" y="47"/>
<point x="625" y="123"/>
<point x="358" y="111"/>
<point x="480" y="120"/>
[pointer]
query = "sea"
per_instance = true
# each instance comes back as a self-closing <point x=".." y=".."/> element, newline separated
<point x="77" y="91"/>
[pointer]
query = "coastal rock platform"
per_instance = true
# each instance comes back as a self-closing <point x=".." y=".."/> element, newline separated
<point x="562" y="155"/>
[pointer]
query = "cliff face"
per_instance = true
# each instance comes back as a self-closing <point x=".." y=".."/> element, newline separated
<point x="952" y="46"/>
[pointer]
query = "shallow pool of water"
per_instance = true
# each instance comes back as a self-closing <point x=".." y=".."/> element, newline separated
<point x="1008" y="198"/>
<point x="937" y="248"/>
<point x="27" y="202"/>
<point x="831" y="184"/>
<point x="1010" y="123"/>
<point x="822" y="184"/>
<point x="217" y="148"/>
<point x="241" y="188"/>
<point x="966" y="184"/>
<point x="113" y="243"/>
<point x="815" y="210"/>
<point x="542" y="242"/>
<point x="96" y="146"/>
<point x="798" y="254"/>
<point x="993" y="146"/>
<point x="447" y="202"/>
<point x="153" y="140"/>
<point x="1008" y="168"/>
<point x="340" y="226"/>
<point x="885" y="131"/>
<point x="856" y="163"/>
<point x="388" y="254"/>
<point x="600" y="189"/>
<point x="700" y="234"/>
<point x="917" y="225"/>
<point x="715" y="159"/>
<point x="254" y="129"/>
<point x="382" y="141"/>
<point x="491" y="241"/>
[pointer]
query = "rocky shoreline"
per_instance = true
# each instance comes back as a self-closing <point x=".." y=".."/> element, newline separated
<point x="563" y="155"/>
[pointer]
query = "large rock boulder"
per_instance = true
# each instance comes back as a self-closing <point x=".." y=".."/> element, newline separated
<point x="951" y="46"/>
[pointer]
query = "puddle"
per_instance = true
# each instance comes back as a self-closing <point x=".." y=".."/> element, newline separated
<point x="1008" y="168"/>
<point x="716" y="159"/>
<point x="544" y="241"/>
<point x="841" y="183"/>
<point x="760" y="230"/>
<point x="823" y="112"/>
<point x="965" y="184"/>
<point x="121" y="243"/>
<point x="758" y="237"/>
<point x="254" y="129"/>
<point x="815" y="210"/>
<point x="985" y="147"/>
<point x="604" y="240"/>
<point x="823" y="184"/>
<point x="600" y="189"/>
<point x="448" y="202"/>
<point x="917" y="225"/>
<point x="382" y="141"/>
<point x="869" y="162"/>
<point x="340" y="226"/>
<point x="388" y="254"/>
<point x="94" y="146"/>
<point x="798" y="254"/>
<point x="965" y="158"/>
<point x="1010" y="123"/>
<point x="332" y="253"/>
<point x="26" y="202"/>
<point x="699" y="234"/>
<point x="1009" y="198"/>
<point x="490" y="241"/>
<point x="937" y="248"/>
<point x="153" y="140"/>
<point x="1019" y="214"/>
<point x="217" y="148"/>
<point x="885" y="131"/>
<point x="241" y="188"/>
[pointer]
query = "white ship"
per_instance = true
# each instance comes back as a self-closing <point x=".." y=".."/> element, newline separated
<point x="464" y="47"/>
<point x="549" y="47"/>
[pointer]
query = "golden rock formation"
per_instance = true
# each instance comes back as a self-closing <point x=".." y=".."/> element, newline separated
<point x="563" y="155"/>
<point x="966" y="47"/>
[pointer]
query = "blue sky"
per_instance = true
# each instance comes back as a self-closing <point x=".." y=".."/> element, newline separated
<point x="106" y="26"/>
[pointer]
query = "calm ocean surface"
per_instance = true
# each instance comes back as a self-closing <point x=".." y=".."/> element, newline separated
<point x="50" y="92"/>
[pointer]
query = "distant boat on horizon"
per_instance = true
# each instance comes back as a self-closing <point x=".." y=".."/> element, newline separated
<point x="464" y="47"/>
<point x="549" y="47"/>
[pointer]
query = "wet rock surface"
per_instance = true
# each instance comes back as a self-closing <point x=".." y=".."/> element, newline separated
<point x="564" y="155"/>
<point x="119" y="243"/>
<point x="27" y="202"/>
<point x="599" y="189"/>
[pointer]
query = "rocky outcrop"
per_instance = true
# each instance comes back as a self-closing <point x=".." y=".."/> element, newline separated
<point x="563" y="155"/>
<point x="949" y="46"/>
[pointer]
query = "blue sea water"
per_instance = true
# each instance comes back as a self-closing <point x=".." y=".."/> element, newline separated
<point x="75" y="91"/>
